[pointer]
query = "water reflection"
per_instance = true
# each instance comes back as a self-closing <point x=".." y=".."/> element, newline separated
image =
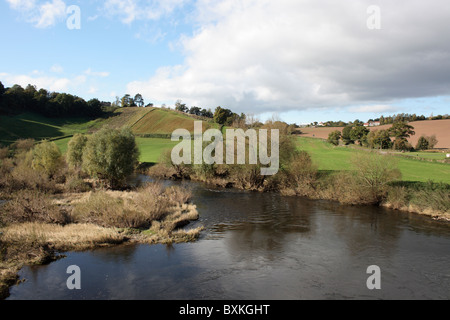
<point x="265" y="246"/>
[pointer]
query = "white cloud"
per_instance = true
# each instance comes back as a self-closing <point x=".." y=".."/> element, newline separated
<point x="41" y="14"/>
<point x="89" y="72"/>
<point x="264" y="55"/>
<point x="50" y="83"/>
<point x="131" y="10"/>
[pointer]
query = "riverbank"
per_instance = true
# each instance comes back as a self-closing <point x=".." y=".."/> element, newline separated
<point x="375" y="182"/>
<point x="103" y="218"/>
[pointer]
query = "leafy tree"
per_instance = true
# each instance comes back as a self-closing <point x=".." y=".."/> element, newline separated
<point x="139" y="100"/>
<point x="126" y="101"/>
<point x="346" y="138"/>
<point x="359" y="133"/>
<point x="422" y="144"/>
<point x="94" y="107"/>
<point x="402" y="145"/>
<point x="179" y="106"/>
<point x="195" y="111"/>
<point x="401" y="130"/>
<point x="207" y="113"/>
<point x="47" y="158"/>
<point x="379" y="139"/>
<point x="334" y="137"/>
<point x="221" y="116"/>
<point x="111" y="155"/>
<point x="432" y="141"/>
<point x="75" y="150"/>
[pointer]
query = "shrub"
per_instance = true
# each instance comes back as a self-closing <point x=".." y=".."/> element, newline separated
<point x="47" y="158"/>
<point x="402" y="145"/>
<point x="4" y="153"/>
<point x="422" y="144"/>
<point x="33" y="206"/>
<point x="75" y="148"/>
<point x="111" y="155"/>
<point x="374" y="172"/>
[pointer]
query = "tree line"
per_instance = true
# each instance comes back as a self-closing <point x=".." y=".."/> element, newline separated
<point x="395" y="137"/>
<point x="401" y="117"/>
<point x="16" y="99"/>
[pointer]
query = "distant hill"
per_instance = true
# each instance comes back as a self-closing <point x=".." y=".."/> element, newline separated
<point x="441" y="128"/>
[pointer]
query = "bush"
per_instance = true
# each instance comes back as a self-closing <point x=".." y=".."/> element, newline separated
<point x="402" y="145"/>
<point x="33" y="206"/>
<point x="111" y="155"/>
<point x="75" y="150"/>
<point x="47" y="158"/>
<point x="374" y="172"/>
<point x="422" y="144"/>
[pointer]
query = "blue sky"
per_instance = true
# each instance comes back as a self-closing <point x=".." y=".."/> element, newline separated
<point x="300" y="59"/>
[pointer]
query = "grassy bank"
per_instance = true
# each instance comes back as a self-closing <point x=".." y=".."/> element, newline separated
<point x="335" y="159"/>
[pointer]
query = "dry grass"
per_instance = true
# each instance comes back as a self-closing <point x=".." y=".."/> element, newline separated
<point x="73" y="237"/>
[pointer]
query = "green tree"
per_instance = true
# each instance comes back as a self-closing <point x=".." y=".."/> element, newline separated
<point x="111" y="155"/>
<point x="94" y="107"/>
<point x="401" y="130"/>
<point x="346" y="138"/>
<point x="379" y="139"/>
<point x="432" y="141"/>
<point x="47" y="158"/>
<point x="221" y="115"/>
<point x="179" y="106"/>
<point x="422" y="144"/>
<point x="75" y="149"/>
<point x="139" y="100"/>
<point x="334" y="137"/>
<point x="359" y="133"/>
<point x="126" y="101"/>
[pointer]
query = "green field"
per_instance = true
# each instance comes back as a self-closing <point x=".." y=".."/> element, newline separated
<point x="152" y="148"/>
<point x="330" y="158"/>
<point x="151" y="121"/>
<point x="30" y="125"/>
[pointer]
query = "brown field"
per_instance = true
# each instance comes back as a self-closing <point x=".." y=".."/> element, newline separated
<point x="441" y="128"/>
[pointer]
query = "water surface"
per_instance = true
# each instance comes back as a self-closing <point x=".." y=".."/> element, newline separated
<point x="265" y="247"/>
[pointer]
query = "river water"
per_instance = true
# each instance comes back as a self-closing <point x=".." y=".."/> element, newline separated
<point x="265" y="247"/>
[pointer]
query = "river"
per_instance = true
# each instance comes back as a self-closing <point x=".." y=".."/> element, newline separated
<point x="263" y="246"/>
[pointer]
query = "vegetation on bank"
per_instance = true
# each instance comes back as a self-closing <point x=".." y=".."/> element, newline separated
<point x="81" y="201"/>
<point x="349" y="177"/>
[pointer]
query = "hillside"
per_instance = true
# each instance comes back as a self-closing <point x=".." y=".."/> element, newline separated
<point x="441" y="128"/>
<point x="154" y="121"/>
<point x="31" y="125"/>
<point x="142" y="121"/>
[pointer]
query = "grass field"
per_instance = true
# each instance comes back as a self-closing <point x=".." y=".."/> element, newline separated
<point x="330" y="158"/>
<point x="30" y="125"/>
<point x="150" y="121"/>
<point x="152" y="148"/>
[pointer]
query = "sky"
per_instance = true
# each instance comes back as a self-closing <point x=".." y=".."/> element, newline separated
<point x="302" y="60"/>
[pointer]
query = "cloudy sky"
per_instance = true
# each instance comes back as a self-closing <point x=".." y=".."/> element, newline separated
<point x="305" y="60"/>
